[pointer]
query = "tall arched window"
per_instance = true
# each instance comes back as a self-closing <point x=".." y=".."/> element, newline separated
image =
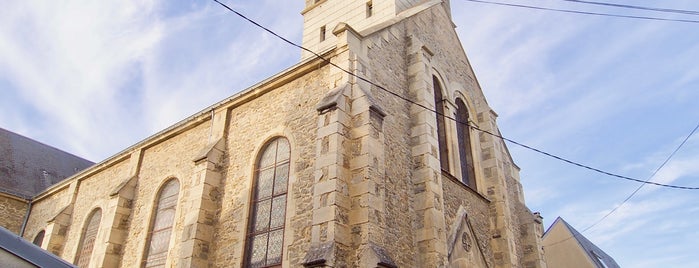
<point x="39" y="238"/>
<point x="161" y="225"/>
<point x="89" y="235"/>
<point x="265" y="235"/>
<point x="441" y="131"/>
<point x="468" y="175"/>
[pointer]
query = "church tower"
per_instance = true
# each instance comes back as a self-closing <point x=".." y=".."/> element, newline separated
<point x="453" y="199"/>
<point x="320" y="16"/>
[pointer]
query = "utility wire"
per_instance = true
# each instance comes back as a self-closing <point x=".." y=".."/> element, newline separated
<point x="667" y="10"/>
<point x="581" y="12"/>
<point x="637" y="189"/>
<point x="447" y="116"/>
<point x="648" y="180"/>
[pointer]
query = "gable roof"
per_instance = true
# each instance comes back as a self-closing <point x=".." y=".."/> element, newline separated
<point x="29" y="252"/>
<point x="28" y="167"/>
<point x="600" y="258"/>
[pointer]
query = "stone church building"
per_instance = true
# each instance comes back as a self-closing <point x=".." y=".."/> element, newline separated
<point x="314" y="167"/>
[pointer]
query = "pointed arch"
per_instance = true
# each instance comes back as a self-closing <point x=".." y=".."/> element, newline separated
<point x="463" y="132"/>
<point x="265" y="234"/>
<point x="441" y="124"/>
<point x="160" y="230"/>
<point x="39" y="238"/>
<point x="88" y="237"/>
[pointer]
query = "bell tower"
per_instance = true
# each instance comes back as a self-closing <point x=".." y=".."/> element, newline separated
<point x="321" y="16"/>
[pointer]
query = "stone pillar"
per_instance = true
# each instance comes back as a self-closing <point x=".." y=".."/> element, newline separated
<point x="58" y="226"/>
<point x="534" y="230"/>
<point x="367" y="169"/>
<point x="501" y="223"/>
<point x="330" y="236"/>
<point x="430" y="233"/>
<point x="117" y="215"/>
<point x="202" y="201"/>
<point x="56" y="230"/>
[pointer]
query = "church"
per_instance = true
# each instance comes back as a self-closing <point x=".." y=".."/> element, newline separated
<point x="378" y="153"/>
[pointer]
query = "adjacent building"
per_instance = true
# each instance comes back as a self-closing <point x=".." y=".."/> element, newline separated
<point x="566" y="247"/>
<point x="315" y="167"/>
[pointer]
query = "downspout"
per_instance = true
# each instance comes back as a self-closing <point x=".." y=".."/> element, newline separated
<point x="26" y="218"/>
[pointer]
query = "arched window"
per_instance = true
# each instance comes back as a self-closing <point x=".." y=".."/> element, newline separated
<point x="39" y="238"/>
<point x="441" y="131"/>
<point x="89" y="235"/>
<point x="161" y="225"/>
<point x="468" y="175"/>
<point x="265" y="235"/>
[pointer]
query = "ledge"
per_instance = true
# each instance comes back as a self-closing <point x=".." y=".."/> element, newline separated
<point x="468" y="188"/>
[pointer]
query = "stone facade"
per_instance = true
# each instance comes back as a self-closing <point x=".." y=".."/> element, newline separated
<point x="365" y="187"/>
<point x="14" y="210"/>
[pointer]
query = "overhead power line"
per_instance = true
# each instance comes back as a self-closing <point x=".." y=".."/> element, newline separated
<point x="447" y="116"/>
<point x="648" y="180"/>
<point x="667" y="10"/>
<point x="581" y="12"/>
<point x="636" y="190"/>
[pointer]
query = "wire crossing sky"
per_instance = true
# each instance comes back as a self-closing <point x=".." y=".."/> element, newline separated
<point x="450" y="117"/>
<point x="95" y="77"/>
<point x="667" y="10"/>
<point x="581" y="12"/>
<point x="669" y="157"/>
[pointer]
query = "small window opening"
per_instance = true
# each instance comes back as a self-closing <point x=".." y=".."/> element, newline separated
<point x="39" y="238"/>
<point x="369" y="9"/>
<point x="322" y="33"/>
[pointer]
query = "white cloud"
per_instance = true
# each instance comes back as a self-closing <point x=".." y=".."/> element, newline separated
<point x="69" y="61"/>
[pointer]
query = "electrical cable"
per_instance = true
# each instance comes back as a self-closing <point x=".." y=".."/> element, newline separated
<point x="581" y="12"/>
<point x="447" y="116"/>
<point x="637" y="189"/>
<point x="648" y="180"/>
<point x="667" y="10"/>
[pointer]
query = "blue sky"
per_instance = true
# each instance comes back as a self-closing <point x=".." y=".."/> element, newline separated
<point x="93" y="77"/>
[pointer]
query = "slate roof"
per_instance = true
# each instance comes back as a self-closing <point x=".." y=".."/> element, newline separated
<point x="27" y="167"/>
<point x="29" y="252"/>
<point x="597" y="255"/>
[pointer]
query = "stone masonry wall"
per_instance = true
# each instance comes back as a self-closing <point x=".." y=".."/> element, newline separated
<point x="172" y="158"/>
<point x="388" y="67"/>
<point x="44" y="210"/>
<point x="13" y="212"/>
<point x="92" y="193"/>
<point x="457" y="195"/>
<point x="288" y="111"/>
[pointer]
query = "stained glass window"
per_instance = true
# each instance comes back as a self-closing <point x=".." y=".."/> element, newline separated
<point x="441" y="127"/>
<point x="39" y="238"/>
<point x="89" y="235"/>
<point x="161" y="225"/>
<point x="468" y="175"/>
<point x="265" y="237"/>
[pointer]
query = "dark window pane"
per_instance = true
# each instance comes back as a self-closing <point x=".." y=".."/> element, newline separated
<point x="464" y="140"/>
<point x="278" y="209"/>
<point x="259" y="250"/>
<point x="266" y="230"/>
<point x="264" y="184"/>
<point x="161" y="227"/>
<point x="281" y="179"/>
<point x="441" y="132"/>
<point x="282" y="150"/>
<point x="274" y="250"/>
<point x="39" y="238"/>
<point x="262" y="216"/>
<point x="88" y="240"/>
<point x="268" y="155"/>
